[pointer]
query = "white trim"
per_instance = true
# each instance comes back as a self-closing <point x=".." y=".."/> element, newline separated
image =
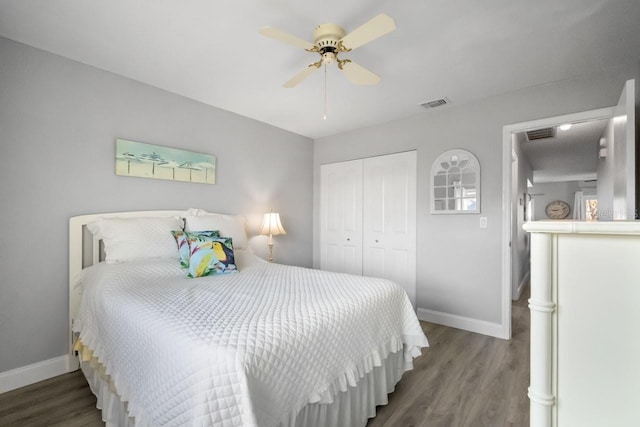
<point x="584" y="227"/>
<point x="30" y="374"/>
<point x="507" y="156"/>
<point x="507" y="131"/>
<point x="521" y="286"/>
<point x="461" y="322"/>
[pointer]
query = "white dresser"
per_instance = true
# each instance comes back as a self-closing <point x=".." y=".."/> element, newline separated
<point x="585" y="323"/>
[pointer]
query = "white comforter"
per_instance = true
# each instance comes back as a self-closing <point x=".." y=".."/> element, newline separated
<point x="250" y="348"/>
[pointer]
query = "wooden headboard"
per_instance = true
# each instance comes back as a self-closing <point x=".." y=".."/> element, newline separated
<point x="84" y="251"/>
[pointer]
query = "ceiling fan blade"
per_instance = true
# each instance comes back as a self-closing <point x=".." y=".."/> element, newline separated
<point x="358" y="75"/>
<point x="295" y="80"/>
<point x="376" y="27"/>
<point x="285" y="37"/>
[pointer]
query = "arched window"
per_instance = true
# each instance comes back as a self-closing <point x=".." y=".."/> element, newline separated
<point x="455" y="183"/>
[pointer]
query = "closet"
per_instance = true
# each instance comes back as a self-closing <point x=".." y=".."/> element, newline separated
<point x="368" y="218"/>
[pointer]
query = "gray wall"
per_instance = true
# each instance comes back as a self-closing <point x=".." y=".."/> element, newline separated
<point x="459" y="264"/>
<point x="58" y="123"/>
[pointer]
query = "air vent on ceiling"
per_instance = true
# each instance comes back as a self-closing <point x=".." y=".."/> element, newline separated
<point x="435" y="103"/>
<point x="533" y="135"/>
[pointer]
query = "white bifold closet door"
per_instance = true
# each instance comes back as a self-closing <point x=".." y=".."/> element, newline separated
<point x="368" y="218"/>
<point x="341" y="217"/>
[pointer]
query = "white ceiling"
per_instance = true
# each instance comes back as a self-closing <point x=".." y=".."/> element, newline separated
<point x="571" y="155"/>
<point x="211" y="51"/>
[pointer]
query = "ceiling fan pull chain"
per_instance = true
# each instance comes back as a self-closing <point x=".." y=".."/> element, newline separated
<point x="325" y="92"/>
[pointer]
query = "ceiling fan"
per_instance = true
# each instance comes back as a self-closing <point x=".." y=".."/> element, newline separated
<point x="329" y="40"/>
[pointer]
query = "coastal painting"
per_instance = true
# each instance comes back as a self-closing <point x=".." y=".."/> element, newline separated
<point x="153" y="161"/>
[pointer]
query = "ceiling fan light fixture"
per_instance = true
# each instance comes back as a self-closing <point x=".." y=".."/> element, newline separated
<point x="331" y="39"/>
<point x="328" y="57"/>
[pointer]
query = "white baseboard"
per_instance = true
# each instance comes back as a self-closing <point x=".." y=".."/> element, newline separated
<point x="461" y="322"/>
<point x="521" y="286"/>
<point x="26" y="375"/>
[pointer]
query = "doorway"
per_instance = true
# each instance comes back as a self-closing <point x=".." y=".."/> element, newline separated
<point x="515" y="201"/>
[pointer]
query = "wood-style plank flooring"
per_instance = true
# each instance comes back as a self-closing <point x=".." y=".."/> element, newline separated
<point x="463" y="379"/>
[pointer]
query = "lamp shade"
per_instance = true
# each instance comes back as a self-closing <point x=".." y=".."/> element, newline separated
<point x="271" y="224"/>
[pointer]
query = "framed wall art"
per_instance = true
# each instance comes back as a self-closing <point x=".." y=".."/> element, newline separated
<point x="154" y="161"/>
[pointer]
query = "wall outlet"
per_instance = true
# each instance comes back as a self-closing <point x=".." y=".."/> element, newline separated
<point x="483" y="222"/>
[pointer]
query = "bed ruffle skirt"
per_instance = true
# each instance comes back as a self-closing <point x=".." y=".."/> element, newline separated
<point x="349" y="408"/>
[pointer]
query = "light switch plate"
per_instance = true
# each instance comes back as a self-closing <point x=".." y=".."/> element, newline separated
<point x="483" y="222"/>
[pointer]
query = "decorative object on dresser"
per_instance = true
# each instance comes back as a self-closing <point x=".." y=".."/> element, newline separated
<point x="271" y="226"/>
<point x="142" y="160"/>
<point x="455" y="183"/>
<point x="584" y="319"/>
<point x="557" y="209"/>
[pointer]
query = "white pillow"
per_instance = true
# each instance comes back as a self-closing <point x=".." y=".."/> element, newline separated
<point x="228" y="226"/>
<point x="197" y="212"/>
<point x="128" y="239"/>
<point x="244" y="258"/>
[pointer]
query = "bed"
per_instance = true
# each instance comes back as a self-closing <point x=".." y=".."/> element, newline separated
<point x="269" y="345"/>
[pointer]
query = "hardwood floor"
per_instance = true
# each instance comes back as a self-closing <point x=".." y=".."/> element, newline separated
<point x="61" y="401"/>
<point x="463" y="379"/>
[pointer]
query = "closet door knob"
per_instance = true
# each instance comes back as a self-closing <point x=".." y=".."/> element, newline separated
<point x="348" y="239"/>
<point x="376" y="240"/>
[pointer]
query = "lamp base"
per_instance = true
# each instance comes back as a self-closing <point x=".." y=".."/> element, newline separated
<point x="270" y="251"/>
